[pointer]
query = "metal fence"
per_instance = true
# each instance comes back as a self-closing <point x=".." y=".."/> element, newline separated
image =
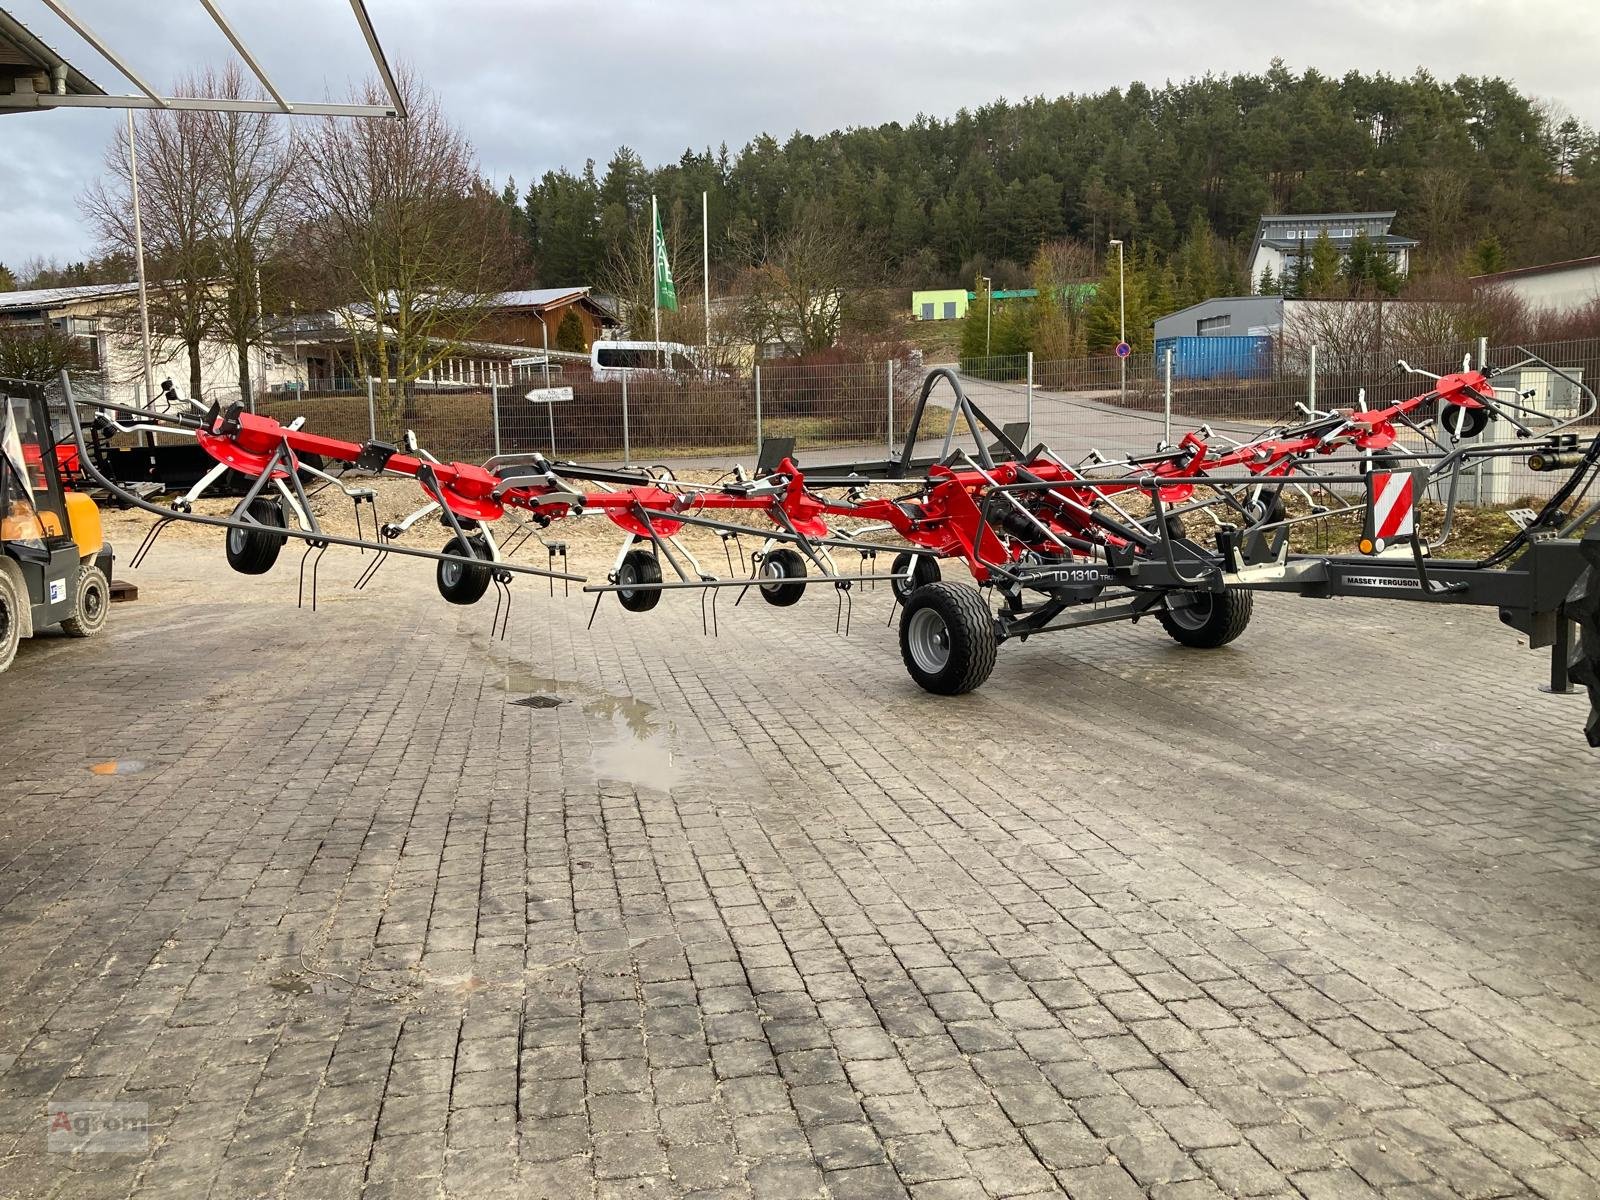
<point x="841" y="412"/>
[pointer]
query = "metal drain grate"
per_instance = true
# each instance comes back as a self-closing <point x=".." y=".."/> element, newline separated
<point x="539" y="701"/>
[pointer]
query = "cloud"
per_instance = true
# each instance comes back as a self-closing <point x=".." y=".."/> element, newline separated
<point x="542" y="85"/>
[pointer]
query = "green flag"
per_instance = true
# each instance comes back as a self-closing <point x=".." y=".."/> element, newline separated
<point x="666" y="290"/>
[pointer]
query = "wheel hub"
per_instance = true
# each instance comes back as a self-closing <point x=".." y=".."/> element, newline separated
<point x="929" y="639"/>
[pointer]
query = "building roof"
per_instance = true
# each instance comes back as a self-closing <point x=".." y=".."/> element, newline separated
<point x="1342" y="243"/>
<point x="1570" y="264"/>
<point x="540" y="297"/>
<point x="1269" y="220"/>
<point x="24" y="56"/>
<point x="56" y="297"/>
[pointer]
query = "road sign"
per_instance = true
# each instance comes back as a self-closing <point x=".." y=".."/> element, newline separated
<point x="550" y="395"/>
<point x="1123" y="349"/>
<point x="532" y="360"/>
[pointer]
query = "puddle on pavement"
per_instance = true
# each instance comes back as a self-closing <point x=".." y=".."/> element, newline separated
<point x="290" y="985"/>
<point x="632" y="742"/>
<point x="118" y="766"/>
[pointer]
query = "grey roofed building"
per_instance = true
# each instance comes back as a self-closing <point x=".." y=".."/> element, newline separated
<point x="29" y="66"/>
<point x="1282" y="237"/>
<point x="1224" y="316"/>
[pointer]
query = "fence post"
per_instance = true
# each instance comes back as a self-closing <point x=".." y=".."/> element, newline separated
<point x="372" y="411"/>
<point x="1166" y="400"/>
<point x="1311" y="379"/>
<point x="1483" y="354"/>
<point x="888" y="437"/>
<point x="494" y="409"/>
<point x="627" y="451"/>
<point x="1030" y="396"/>
<point x="758" y="412"/>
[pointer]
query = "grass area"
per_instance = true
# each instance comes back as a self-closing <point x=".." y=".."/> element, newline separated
<point x="939" y="341"/>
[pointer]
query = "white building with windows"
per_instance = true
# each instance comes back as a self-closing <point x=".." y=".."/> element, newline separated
<point x="1283" y="239"/>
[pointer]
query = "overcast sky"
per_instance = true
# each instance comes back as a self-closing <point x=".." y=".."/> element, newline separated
<point x="538" y="85"/>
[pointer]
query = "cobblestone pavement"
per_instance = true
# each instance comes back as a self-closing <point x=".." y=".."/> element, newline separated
<point x="1314" y="915"/>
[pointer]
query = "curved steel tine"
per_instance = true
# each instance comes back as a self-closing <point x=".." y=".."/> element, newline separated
<point x="371" y="570"/>
<point x="505" y="624"/>
<point x="593" y="612"/>
<point x="149" y="542"/>
<point x="316" y="564"/>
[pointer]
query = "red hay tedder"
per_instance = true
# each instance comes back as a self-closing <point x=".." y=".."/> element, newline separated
<point x="1049" y="545"/>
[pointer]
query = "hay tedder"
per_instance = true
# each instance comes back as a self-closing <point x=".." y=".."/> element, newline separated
<point x="1185" y="534"/>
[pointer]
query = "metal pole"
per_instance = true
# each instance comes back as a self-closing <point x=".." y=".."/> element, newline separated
<point x="705" y="265"/>
<point x="138" y="258"/>
<point x="494" y="408"/>
<point x="1483" y="354"/>
<point x="551" y="409"/>
<point x="1122" y="320"/>
<point x="888" y="437"/>
<point x="1166" y="403"/>
<point x="988" y="311"/>
<point x="1030" y="393"/>
<point x="627" y="451"/>
<point x="655" y="273"/>
<point x="372" y="411"/>
<point x="1311" y="379"/>
<point x="544" y="332"/>
<point x="758" y="412"/>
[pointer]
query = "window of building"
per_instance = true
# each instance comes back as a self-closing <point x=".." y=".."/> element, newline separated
<point x="927" y="311"/>
<point x="1211" y="326"/>
<point x="949" y="310"/>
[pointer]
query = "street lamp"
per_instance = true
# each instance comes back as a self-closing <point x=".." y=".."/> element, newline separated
<point x="988" y="311"/>
<point x="1122" y="316"/>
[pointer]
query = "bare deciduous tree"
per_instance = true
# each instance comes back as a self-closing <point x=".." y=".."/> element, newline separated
<point x="402" y="238"/>
<point x="250" y="156"/>
<point x="176" y="177"/>
<point x="799" y="285"/>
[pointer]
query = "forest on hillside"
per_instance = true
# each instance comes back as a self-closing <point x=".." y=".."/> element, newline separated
<point x="1483" y="174"/>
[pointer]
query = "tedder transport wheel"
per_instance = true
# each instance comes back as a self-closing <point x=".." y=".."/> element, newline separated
<point x="1210" y="619"/>
<point x="639" y="566"/>
<point x="253" y="551"/>
<point x="92" y="603"/>
<point x="779" y="565"/>
<point x="947" y="638"/>
<point x="458" y="582"/>
<point x="10" y="620"/>
<point x="923" y="569"/>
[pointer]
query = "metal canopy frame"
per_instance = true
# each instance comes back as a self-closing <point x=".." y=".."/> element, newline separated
<point x="151" y="98"/>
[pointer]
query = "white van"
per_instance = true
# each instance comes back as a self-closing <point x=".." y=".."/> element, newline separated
<point x="612" y="361"/>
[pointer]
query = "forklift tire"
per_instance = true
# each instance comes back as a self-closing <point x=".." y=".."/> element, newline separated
<point x="11" y="614"/>
<point x="947" y="638"/>
<point x="921" y="569"/>
<point x="779" y="565"/>
<point x="639" y="566"/>
<point x="1213" y="619"/>
<point x="253" y="551"/>
<point x="460" y="583"/>
<point x="92" y="604"/>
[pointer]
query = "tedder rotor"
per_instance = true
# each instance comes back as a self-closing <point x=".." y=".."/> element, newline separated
<point x="1186" y="534"/>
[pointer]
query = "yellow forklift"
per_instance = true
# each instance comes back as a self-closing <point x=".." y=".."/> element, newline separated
<point x="55" y="564"/>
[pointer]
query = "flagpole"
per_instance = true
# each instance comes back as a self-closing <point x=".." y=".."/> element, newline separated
<point x="655" y="271"/>
<point x="705" y="249"/>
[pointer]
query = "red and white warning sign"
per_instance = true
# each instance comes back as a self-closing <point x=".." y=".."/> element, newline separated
<point x="1391" y="509"/>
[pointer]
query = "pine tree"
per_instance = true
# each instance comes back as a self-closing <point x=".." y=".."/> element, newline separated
<point x="1268" y="284"/>
<point x="1320" y="276"/>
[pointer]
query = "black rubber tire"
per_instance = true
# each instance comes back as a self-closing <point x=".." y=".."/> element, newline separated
<point x="793" y="566"/>
<point x="923" y="568"/>
<point x="957" y="613"/>
<point x="639" y="566"/>
<point x="91" y="603"/>
<point x="459" y="583"/>
<point x="11" y="602"/>
<point x="1268" y="510"/>
<point x="253" y="551"/>
<point x="1461" y="422"/>
<point x="1223" y="619"/>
